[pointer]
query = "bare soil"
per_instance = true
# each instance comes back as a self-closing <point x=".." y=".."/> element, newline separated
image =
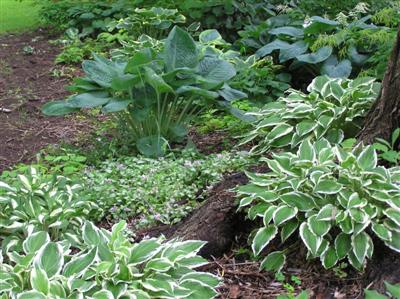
<point x="27" y="81"/>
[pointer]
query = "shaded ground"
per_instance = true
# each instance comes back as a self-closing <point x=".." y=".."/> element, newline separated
<point x="26" y="82"/>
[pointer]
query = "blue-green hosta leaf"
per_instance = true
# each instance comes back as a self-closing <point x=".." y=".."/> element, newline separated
<point x="360" y="244"/>
<point x="50" y="258"/>
<point x="31" y="295"/>
<point x="58" y="108"/>
<point x="152" y="146"/>
<point x="89" y="100"/>
<point x="274" y="261"/>
<point x="197" y="91"/>
<point x="329" y="258"/>
<point x="287" y="30"/>
<point x="335" y="69"/>
<point x="35" y="241"/>
<point x="138" y="60"/>
<point x="230" y="94"/>
<point x="262" y="238"/>
<point x="39" y="280"/>
<point x="342" y="245"/>
<point x="357" y="58"/>
<point x="216" y="70"/>
<point x="368" y="158"/>
<point x="283" y="214"/>
<point x="211" y="36"/>
<point x="300" y="200"/>
<point x="124" y="82"/>
<point x="180" y="50"/>
<point x="309" y="239"/>
<point x="319" y="24"/>
<point x="382" y="231"/>
<point x="80" y="263"/>
<point x="116" y="105"/>
<point x="269" y="48"/>
<point x="293" y="51"/>
<point x="156" y="81"/>
<point x="322" y="54"/>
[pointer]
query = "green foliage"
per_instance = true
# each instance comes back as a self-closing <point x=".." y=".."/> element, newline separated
<point x="392" y="290"/>
<point x="36" y="202"/>
<point x="337" y="48"/>
<point x="107" y="266"/>
<point x="156" y="191"/>
<point x="154" y="95"/>
<point x="17" y="17"/>
<point x="334" y="199"/>
<point x="332" y="109"/>
<point x="387" y="151"/>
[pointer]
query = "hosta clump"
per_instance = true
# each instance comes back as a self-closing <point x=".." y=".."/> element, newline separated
<point x="36" y="202"/>
<point x="336" y="200"/>
<point x="150" y="191"/>
<point x="332" y="108"/>
<point x="155" y="94"/>
<point x="108" y="267"/>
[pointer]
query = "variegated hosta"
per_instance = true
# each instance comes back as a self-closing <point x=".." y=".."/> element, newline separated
<point x="334" y="199"/>
<point x="332" y="108"/>
<point x="37" y="202"/>
<point x="109" y="267"/>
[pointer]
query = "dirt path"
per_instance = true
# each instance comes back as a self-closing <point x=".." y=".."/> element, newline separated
<point x="26" y="82"/>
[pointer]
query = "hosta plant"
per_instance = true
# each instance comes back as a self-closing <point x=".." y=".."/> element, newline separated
<point x="36" y="202"/>
<point x="337" y="201"/>
<point x="332" y="108"/>
<point x="155" y="94"/>
<point x="108" y="267"/>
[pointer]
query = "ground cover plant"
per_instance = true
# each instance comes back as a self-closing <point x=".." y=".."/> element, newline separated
<point x="16" y="16"/>
<point x="205" y="149"/>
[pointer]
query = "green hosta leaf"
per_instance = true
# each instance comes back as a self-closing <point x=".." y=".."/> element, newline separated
<point x="301" y="201"/>
<point x="329" y="258"/>
<point x="328" y="187"/>
<point x="283" y="214"/>
<point x="360" y="245"/>
<point x="152" y="146"/>
<point x="311" y="241"/>
<point x="262" y="238"/>
<point x="35" y="241"/>
<point x="287" y="30"/>
<point x="57" y="108"/>
<point x="317" y="57"/>
<point x="80" y="263"/>
<point x="393" y="290"/>
<point x="144" y="251"/>
<point x="269" y="48"/>
<point x="318" y="227"/>
<point x="293" y="51"/>
<point x="124" y="82"/>
<point x="180" y="50"/>
<point x="288" y="229"/>
<point x="31" y="295"/>
<point x="393" y="214"/>
<point x="368" y="158"/>
<point x="342" y="245"/>
<point x="89" y="100"/>
<point x="382" y="231"/>
<point x="39" y="280"/>
<point x="156" y="81"/>
<point x="372" y="294"/>
<point x="274" y="261"/>
<point x="50" y="258"/>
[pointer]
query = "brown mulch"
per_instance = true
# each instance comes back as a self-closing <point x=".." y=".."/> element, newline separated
<point x="26" y="83"/>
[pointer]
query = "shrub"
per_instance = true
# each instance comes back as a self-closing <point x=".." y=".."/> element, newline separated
<point x="333" y="108"/>
<point x="334" y="199"/>
<point x="154" y="95"/>
<point x="156" y="191"/>
<point x="109" y="266"/>
<point x="37" y="202"/>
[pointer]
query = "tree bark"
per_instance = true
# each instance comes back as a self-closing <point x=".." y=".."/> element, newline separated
<point x="384" y="116"/>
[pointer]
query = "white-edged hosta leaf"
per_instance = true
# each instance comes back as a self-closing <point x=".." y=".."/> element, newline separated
<point x="311" y="240"/>
<point x="31" y="295"/>
<point x="268" y="215"/>
<point x="144" y="251"/>
<point x="39" y="280"/>
<point x="354" y="261"/>
<point x="77" y="265"/>
<point x="372" y="294"/>
<point x="303" y="202"/>
<point x="206" y="278"/>
<point x="393" y="290"/>
<point x="35" y="241"/>
<point x="325" y="186"/>
<point x="329" y="258"/>
<point x="318" y="227"/>
<point x="368" y="158"/>
<point x="283" y="214"/>
<point x="306" y="151"/>
<point x="262" y="238"/>
<point x="274" y="261"/>
<point x="50" y="258"/>
<point x="90" y="234"/>
<point x="381" y="231"/>
<point x="103" y="294"/>
<point x="360" y="245"/>
<point x="393" y="215"/>
<point x="342" y="245"/>
<point x="327" y="213"/>
<point x="395" y="242"/>
<point x="288" y="229"/>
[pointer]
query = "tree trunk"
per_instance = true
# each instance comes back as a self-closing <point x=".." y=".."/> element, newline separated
<point x="384" y="116"/>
